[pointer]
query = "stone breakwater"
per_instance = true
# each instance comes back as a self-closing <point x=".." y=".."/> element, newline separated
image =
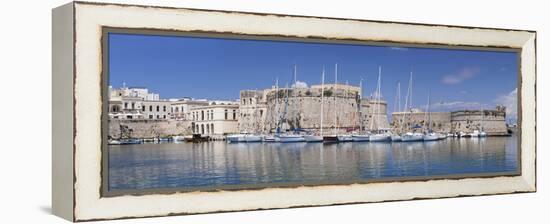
<point x="147" y="128"/>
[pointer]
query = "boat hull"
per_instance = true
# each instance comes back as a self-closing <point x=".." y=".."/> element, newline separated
<point x="380" y="138"/>
<point x="252" y="138"/>
<point x="293" y="138"/>
<point x="430" y="137"/>
<point x="330" y="139"/>
<point x="360" y="138"/>
<point x="412" y="138"/>
<point x="313" y="138"/>
<point x="344" y="138"/>
<point x="396" y="138"/>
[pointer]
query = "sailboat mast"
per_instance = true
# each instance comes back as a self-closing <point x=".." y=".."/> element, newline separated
<point x="379" y="98"/>
<point x="359" y="105"/>
<point x="399" y="96"/>
<point x="429" y="113"/>
<point x="277" y="117"/>
<point x="322" y="99"/>
<point x="295" y="103"/>
<point x="335" y="92"/>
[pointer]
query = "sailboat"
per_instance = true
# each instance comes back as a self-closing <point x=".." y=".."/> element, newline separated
<point x="293" y="137"/>
<point x="410" y="136"/>
<point x="396" y="137"/>
<point x="361" y="136"/>
<point x="339" y="137"/>
<point x="334" y="137"/>
<point x="319" y="137"/>
<point x="379" y="136"/>
<point x="430" y="134"/>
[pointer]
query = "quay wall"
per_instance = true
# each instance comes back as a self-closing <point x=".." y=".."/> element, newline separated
<point x="146" y="128"/>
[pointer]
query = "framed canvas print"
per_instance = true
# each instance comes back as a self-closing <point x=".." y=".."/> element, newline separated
<point x="169" y="111"/>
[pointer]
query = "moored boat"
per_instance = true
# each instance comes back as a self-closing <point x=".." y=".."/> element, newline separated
<point x="252" y="138"/>
<point x="482" y="134"/>
<point x="432" y="136"/>
<point x="412" y="137"/>
<point x="360" y="137"/>
<point x="395" y="138"/>
<point x="330" y="139"/>
<point x="344" y="138"/>
<point x="235" y="138"/>
<point x="313" y="138"/>
<point x="286" y="138"/>
<point x="382" y="137"/>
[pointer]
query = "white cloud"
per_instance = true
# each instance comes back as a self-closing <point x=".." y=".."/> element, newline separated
<point x="398" y="48"/>
<point x="510" y="101"/>
<point x="460" y="76"/>
<point x="300" y="84"/>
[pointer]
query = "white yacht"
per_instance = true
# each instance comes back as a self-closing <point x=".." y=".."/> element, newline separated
<point x="381" y="137"/>
<point x="412" y="137"/>
<point x="252" y="138"/>
<point x="285" y="138"/>
<point x="344" y="138"/>
<point x="395" y="138"/>
<point x="313" y="138"/>
<point x="432" y="136"/>
<point x="236" y="138"/>
<point x="360" y="137"/>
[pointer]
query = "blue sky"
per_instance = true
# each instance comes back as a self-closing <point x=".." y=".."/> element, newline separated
<point x="218" y="68"/>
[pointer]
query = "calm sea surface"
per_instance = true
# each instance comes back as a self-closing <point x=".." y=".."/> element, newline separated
<point x="215" y="164"/>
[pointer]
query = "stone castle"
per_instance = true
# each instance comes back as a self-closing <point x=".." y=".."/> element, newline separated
<point x="343" y="110"/>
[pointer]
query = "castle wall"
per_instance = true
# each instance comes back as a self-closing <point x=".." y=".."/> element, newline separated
<point x="146" y="128"/>
<point x="301" y="108"/>
<point x="491" y="121"/>
<point x="405" y="122"/>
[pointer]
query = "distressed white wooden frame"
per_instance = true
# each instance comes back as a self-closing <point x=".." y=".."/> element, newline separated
<point x="88" y="20"/>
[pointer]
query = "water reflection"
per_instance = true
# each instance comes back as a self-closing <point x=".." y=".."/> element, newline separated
<point x="147" y="166"/>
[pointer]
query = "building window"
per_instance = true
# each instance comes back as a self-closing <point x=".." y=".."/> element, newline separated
<point x="207" y="128"/>
<point x="244" y="101"/>
<point x="129" y="117"/>
<point x="202" y="116"/>
<point x="261" y="113"/>
<point x="226" y="114"/>
<point x="158" y="116"/>
<point x="133" y="105"/>
<point x="163" y="116"/>
<point x="212" y="115"/>
<point x="150" y="116"/>
<point x="202" y="128"/>
<point x="158" y="108"/>
<point x="212" y="128"/>
<point x="143" y="108"/>
<point x="177" y="108"/>
<point x="250" y="100"/>
<point x="234" y="115"/>
<point x="150" y="107"/>
<point x="164" y="108"/>
<point x="125" y="105"/>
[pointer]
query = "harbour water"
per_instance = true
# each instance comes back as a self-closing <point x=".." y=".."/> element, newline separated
<point x="218" y="165"/>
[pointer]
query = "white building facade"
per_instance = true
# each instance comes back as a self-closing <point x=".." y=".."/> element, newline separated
<point x="215" y="119"/>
